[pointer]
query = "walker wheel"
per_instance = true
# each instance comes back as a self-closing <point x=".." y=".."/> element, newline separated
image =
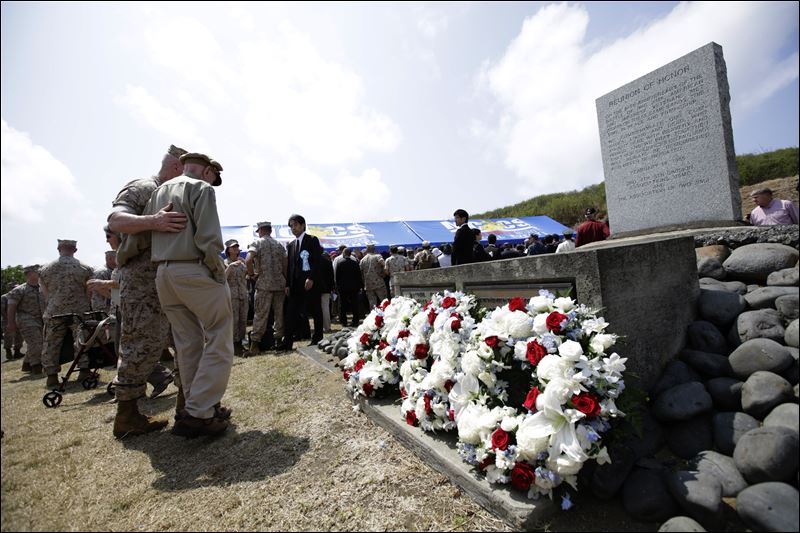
<point x="110" y="389"/>
<point x="90" y="382"/>
<point x="52" y="399"/>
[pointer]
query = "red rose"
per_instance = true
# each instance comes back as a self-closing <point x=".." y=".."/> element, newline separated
<point x="455" y="325"/>
<point x="586" y="403"/>
<point x="517" y="304"/>
<point x="500" y="439"/>
<point x="368" y="388"/>
<point x="383" y="344"/>
<point x="346" y="375"/>
<point x="536" y="352"/>
<point x="411" y="417"/>
<point x="451" y="414"/>
<point x="359" y="365"/>
<point x="486" y="462"/>
<point x="554" y="321"/>
<point x="522" y="476"/>
<point x="427" y="401"/>
<point x="428" y="304"/>
<point x="431" y="316"/>
<point x="421" y="351"/>
<point x="403" y="334"/>
<point x="378" y="321"/>
<point x="364" y="338"/>
<point x="530" y="399"/>
<point x="448" y="385"/>
<point x="384" y="305"/>
<point x="448" y="302"/>
<point x="403" y="392"/>
<point x="491" y="341"/>
<point x="391" y="357"/>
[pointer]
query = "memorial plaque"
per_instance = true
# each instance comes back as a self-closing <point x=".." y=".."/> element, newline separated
<point x="422" y="294"/>
<point x="667" y="147"/>
<point x="498" y="294"/>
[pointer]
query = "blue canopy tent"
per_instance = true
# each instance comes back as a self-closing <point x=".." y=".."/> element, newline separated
<point x="508" y="230"/>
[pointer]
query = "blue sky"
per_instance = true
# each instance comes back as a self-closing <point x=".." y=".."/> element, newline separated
<point x="346" y="112"/>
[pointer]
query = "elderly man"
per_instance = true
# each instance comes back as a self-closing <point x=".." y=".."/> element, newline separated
<point x="63" y="285"/>
<point x="236" y="274"/>
<point x="143" y="328"/>
<point x="373" y="269"/>
<point x="100" y="302"/>
<point x="192" y="289"/>
<point x="770" y="211"/>
<point x="592" y="230"/>
<point x="395" y="263"/>
<point x="10" y="338"/>
<point x="25" y="310"/>
<point x="266" y="263"/>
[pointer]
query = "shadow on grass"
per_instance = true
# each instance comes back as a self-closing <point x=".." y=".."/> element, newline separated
<point x="183" y="464"/>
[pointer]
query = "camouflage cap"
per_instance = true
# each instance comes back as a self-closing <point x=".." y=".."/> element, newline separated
<point x="264" y="225"/>
<point x="175" y="151"/>
<point x="231" y="242"/>
<point x="67" y="242"/>
<point x="30" y="268"/>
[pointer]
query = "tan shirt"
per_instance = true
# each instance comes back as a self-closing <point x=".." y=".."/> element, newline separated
<point x="269" y="262"/>
<point x="132" y="199"/>
<point x="202" y="237"/>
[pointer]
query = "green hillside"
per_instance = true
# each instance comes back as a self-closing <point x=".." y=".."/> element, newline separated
<point x="568" y="207"/>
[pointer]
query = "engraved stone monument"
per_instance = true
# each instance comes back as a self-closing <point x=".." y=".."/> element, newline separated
<point x="667" y="147"/>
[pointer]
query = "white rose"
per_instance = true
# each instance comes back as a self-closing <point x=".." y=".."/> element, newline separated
<point x="518" y="325"/>
<point x="488" y="378"/>
<point x="472" y="364"/>
<point x="551" y="367"/>
<point x="540" y="304"/>
<point x="462" y="391"/>
<point x="469" y="423"/>
<point x="564" y="466"/>
<point x="601" y="342"/>
<point x="532" y="439"/>
<point x="564" y="305"/>
<point x="570" y="350"/>
<point x="540" y="324"/>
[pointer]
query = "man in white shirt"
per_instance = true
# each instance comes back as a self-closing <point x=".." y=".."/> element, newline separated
<point x="568" y="245"/>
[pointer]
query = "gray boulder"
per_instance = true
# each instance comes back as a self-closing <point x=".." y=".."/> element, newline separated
<point x="788" y="277"/>
<point x="760" y="324"/>
<point x="710" y="267"/>
<point x="608" y="478"/>
<point x="792" y="335"/>
<point x="710" y="365"/>
<point x="769" y="506"/>
<point x="730" y="286"/>
<point x="675" y="373"/>
<point x="726" y="393"/>
<point x="720" y="252"/>
<point x="767" y="454"/>
<point x="729" y="427"/>
<point x="754" y="262"/>
<point x="690" y="437"/>
<point x="764" y="297"/>
<point x="680" y="523"/>
<point x="763" y="391"/>
<point x="700" y="495"/>
<point x="759" y="354"/>
<point x="786" y="415"/>
<point x="645" y="496"/>
<point x="721" y="467"/>
<point x="705" y="337"/>
<point x="720" y="307"/>
<point x="682" y="402"/>
<point x="788" y="306"/>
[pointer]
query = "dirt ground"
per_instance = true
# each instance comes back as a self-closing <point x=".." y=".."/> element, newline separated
<point x="298" y="458"/>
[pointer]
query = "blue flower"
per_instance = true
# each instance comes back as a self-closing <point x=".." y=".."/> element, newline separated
<point x="591" y="434"/>
<point x="547" y="294"/>
<point x="542" y="456"/>
<point x="566" y="503"/>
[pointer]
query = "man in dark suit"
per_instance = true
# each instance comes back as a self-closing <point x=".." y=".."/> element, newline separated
<point x="302" y="282"/>
<point x="348" y="284"/>
<point x="464" y="241"/>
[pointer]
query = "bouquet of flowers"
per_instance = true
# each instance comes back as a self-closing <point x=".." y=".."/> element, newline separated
<point x="446" y="323"/>
<point x="573" y="386"/>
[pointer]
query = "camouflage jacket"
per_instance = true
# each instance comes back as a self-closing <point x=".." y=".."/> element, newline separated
<point x="64" y="282"/>
<point x="270" y="263"/>
<point x="30" y="303"/>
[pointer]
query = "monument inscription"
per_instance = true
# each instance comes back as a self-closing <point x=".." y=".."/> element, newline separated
<point x="667" y="146"/>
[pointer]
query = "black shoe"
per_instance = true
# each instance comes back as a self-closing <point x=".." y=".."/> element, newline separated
<point x="283" y="347"/>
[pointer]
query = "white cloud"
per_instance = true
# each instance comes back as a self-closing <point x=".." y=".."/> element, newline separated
<point x="431" y="23"/>
<point x="33" y="179"/>
<point x="549" y="77"/>
<point x="150" y="111"/>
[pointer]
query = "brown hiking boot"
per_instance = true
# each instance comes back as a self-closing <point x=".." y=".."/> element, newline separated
<point x="9" y="355"/>
<point x="221" y="412"/>
<point x="36" y="370"/>
<point x="52" y="381"/>
<point x="238" y="349"/>
<point x="188" y="426"/>
<point x="26" y="367"/>
<point x="180" y="403"/>
<point x="252" y="350"/>
<point x="129" y="421"/>
<point x="17" y="353"/>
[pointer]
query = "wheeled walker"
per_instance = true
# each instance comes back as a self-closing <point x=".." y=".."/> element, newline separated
<point x="99" y="350"/>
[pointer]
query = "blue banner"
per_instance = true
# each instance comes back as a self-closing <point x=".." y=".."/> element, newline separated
<point x="511" y="230"/>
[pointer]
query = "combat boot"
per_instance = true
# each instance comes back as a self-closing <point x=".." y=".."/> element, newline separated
<point x="188" y="426"/>
<point x="36" y="370"/>
<point x="52" y="381"/>
<point x="9" y="355"/>
<point x="180" y="403"/>
<point x="17" y="353"/>
<point x="129" y="421"/>
<point x="26" y="366"/>
<point x="252" y="350"/>
<point x="238" y="348"/>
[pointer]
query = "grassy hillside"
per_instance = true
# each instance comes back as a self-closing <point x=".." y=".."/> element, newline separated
<point x="568" y="207"/>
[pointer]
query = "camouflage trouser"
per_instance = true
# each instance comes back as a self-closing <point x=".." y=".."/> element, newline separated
<point x="265" y="301"/>
<point x="160" y="372"/>
<point x="12" y="340"/>
<point x="54" y="331"/>
<point x="143" y="331"/>
<point x="375" y="295"/>
<point x="239" y="306"/>
<point x="31" y="330"/>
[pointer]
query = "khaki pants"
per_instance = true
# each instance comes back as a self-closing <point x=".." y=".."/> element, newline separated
<point x="199" y="310"/>
<point x="265" y="301"/>
<point x="375" y="296"/>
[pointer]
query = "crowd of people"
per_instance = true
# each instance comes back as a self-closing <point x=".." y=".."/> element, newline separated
<point x="168" y="285"/>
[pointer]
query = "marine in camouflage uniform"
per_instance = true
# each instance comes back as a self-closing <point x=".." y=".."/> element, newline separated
<point x="63" y="282"/>
<point x="236" y="273"/>
<point x="267" y="263"/>
<point x="100" y="302"/>
<point x="10" y="339"/>
<point x="372" y="270"/>
<point x="143" y="325"/>
<point x="26" y="307"/>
